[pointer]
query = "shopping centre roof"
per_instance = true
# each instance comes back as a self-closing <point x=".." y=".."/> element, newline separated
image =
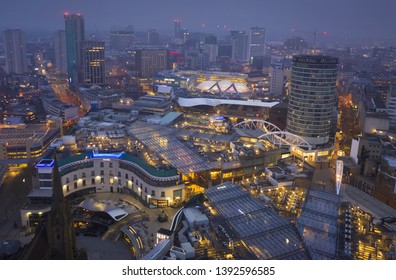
<point x="162" y="140"/>
<point x="318" y="223"/>
<point x="265" y="234"/>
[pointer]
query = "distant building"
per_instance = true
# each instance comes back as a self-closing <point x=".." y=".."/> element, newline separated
<point x="239" y="43"/>
<point x="158" y="105"/>
<point x="391" y="107"/>
<point x="121" y="40"/>
<point x="276" y="74"/>
<point x="256" y="43"/>
<point x="178" y="34"/>
<point x="75" y="36"/>
<point x="15" y="51"/>
<point x="59" y="41"/>
<point x="151" y="61"/>
<point x="211" y="49"/>
<point x="153" y="37"/>
<point x="94" y="63"/>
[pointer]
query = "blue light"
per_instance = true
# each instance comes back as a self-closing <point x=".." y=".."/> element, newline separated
<point x="117" y="156"/>
<point x="45" y="163"/>
<point x="220" y="118"/>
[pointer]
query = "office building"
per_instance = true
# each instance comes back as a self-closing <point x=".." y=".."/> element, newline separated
<point x="121" y="39"/>
<point x="153" y="37"/>
<point x="239" y="43"/>
<point x="151" y="61"/>
<point x="94" y="63"/>
<point x="276" y="74"/>
<point x="391" y="107"/>
<point x="59" y="41"/>
<point x="75" y="36"/>
<point x="211" y="48"/>
<point x="178" y="32"/>
<point x="15" y="51"/>
<point x="256" y="42"/>
<point x="312" y="97"/>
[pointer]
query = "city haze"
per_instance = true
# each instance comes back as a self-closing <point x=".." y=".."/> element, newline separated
<point x="342" y="20"/>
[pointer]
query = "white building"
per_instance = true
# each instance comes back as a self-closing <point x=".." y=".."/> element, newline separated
<point x="90" y="173"/>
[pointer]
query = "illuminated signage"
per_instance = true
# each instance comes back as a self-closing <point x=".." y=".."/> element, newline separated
<point x="45" y="163"/>
<point x="101" y="155"/>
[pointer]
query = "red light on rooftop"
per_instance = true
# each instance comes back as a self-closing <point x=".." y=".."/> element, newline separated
<point x="66" y="14"/>
<point x="324" y="33"/>
<point x="173" y="53"/>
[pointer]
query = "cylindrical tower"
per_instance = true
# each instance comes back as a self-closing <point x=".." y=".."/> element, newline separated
<point x="312" y="97"/>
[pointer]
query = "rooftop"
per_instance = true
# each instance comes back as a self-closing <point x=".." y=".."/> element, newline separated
<point x="265" y="234"/>
<point x="150" y="169"/>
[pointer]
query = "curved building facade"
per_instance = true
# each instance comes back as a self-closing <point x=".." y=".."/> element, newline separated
<point x="90" y="173"/>
<point x="312" y="97"/>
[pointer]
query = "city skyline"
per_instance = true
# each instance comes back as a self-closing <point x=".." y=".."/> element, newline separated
<point x="350" y="21"/>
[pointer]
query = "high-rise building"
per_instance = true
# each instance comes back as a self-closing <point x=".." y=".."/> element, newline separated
<point x="178" y="33"/>
<point x="75" y="36"/>
<point x="391" y="107"/>
<point x="15" y="51"/>
<point x="256" y="42"/>
<point x="153" y="37"/>
<point x="211" y="48"/>
<point x="94" y="62"/>
<point x="312" y="97"/>
<point x="59" y="41"/>
<point x="276" y="74"/>
<point x="151" y="61"/>
<point x="121" y="39"/>
<point x="239" y="43"/>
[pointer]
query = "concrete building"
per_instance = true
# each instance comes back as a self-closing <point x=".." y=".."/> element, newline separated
<point x="87" y="173"/>
<point x="59" y="41"/>
<point x="374" y="118"/>
<point x="15" y="51"/>
<point x="151" y="61"/>
<point x="312" y="98"/>
<point x="26" y="142"/>
<point x="391" y="107"/>
<point x="276" y="75"/>
<point x="94" y="63"/>
<point x="55" y="107"/>
<point x="159" y="105"/>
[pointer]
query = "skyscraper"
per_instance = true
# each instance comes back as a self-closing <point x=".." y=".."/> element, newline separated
<point x="15" y="51"/>
<point x="153" y="37"/>
<point x="94" y="62"/>
<point x="178" y="33"/>
<point x="75" y="36"/>
<point x="211" y="48"/>
<point x="256" y="42"/>
<point x="276" y="74"/>
<point x="312" y="97"/>
<point x="391" y="106"/>
<point x="239" y="43"/>
<point x="59" y="41"/>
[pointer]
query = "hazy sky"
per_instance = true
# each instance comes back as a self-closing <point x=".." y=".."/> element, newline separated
<point x="341" y="18"/>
